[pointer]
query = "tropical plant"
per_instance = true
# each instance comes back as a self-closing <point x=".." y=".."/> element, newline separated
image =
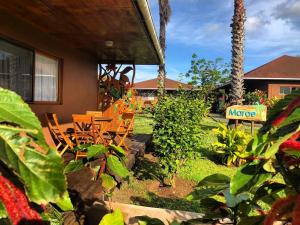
<point x="260" y="97"/>
<point x="231" y="144"/>
<point x="206" y="75"/>
<point x="237" y="41"/>
<point x="255" y="97"/>
<point x="164" y="17"/>
<point x="177" y="130"/>
<point x="30" y="170"/>
<point x="112" y="169"/>
<point x="274" y="151"/>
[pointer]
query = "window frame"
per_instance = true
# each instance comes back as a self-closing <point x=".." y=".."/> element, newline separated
<point x="289" y="87"/>
<point x="47" y="54"/>
<point x="59" y="79"/>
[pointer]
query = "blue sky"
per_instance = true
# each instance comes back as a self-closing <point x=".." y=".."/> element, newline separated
<point x="203" y="27"/>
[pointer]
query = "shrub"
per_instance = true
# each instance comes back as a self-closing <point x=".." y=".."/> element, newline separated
<point x="231" y="144"/>
<point x="177" y="129"/>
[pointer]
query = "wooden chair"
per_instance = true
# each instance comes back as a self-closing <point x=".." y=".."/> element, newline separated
<point x="84" y="129"/>
<point x="119" y="135"/>
<point x="101" y="124"/>
<point x="60" y="138"/>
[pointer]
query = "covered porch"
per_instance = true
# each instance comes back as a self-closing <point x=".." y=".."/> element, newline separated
<point x="68" y="49"/>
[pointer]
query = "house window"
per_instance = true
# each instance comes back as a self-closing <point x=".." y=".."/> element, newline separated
<point x="46" y="78"/>
<point x="16" y="73"/>
<point x="16" y="69"/>
<point x="285" y="90"/>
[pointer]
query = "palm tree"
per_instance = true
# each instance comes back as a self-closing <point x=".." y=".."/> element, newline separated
<point x="164" y="17"/>
<point x="237" y="41"/>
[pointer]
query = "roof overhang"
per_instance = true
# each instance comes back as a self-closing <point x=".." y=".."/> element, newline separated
<point x="264" y="78"/>
<point x="90" y="25"/>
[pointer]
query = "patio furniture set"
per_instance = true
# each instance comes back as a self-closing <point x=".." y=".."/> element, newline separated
<point x="89" y="129"/>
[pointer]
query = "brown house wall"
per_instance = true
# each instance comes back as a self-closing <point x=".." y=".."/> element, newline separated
<point x="79" y="72"/>
<point x="272" y="87"/>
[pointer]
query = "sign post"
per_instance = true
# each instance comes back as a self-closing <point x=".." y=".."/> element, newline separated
<point x="247" y="112"/>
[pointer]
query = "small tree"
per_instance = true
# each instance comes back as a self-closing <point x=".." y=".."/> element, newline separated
<point x="206" y="75"/>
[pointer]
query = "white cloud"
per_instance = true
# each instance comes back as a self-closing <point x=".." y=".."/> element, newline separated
<point x="145" y="72"/>
<point x="290" y="12"/>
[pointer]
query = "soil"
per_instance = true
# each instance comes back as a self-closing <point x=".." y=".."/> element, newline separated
<point x="145" y="189"/>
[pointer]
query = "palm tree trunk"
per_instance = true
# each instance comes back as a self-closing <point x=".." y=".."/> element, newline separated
<point x="238" y="37"/>
<point x="164" y="16"/>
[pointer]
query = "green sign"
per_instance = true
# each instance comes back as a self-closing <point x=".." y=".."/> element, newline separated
<point x="247" y="112"/>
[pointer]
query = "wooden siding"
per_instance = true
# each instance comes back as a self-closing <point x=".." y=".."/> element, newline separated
<point x="274" y="88"/>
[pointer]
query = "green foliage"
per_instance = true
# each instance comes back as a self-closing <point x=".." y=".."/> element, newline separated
<point x="255" y="97"/>
<point x="25" y="151"/>
<point x="259" y="97"/>
<point x="252" y="190"/>
<point x="113" y="159"/>
<point x="177" y="129"/>
<point x="207" y="74"/>
<point x="117" y="167"/>
<point x="114" y="218"/>
<point x="73" y="165"/>
<point x="3" y="213"/>
<point x="231" y="144"/>
<point x="96" y="150"/>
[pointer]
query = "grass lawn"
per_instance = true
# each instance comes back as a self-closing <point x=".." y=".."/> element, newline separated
<point x="143" y="124"/>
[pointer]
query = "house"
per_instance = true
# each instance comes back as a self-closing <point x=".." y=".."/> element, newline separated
<point x="276" y="78"/>
<point x="51" y="51"/>
<point x="147" y="90"/>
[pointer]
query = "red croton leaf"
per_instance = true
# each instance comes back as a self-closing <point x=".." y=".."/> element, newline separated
<point x="290" y="108"/>
<point x="292" y="143"/>
<point x="16" y="204"/>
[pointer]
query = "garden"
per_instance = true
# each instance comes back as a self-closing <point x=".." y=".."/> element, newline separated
<point x="200" y="166"/>
<point x="196" y="163"/>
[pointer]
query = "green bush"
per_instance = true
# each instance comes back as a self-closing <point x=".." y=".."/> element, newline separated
<point x="231" y="144"/>
<point x="177" y="130"/>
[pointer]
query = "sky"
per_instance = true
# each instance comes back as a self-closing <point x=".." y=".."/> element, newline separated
<point x="203" y="27"/>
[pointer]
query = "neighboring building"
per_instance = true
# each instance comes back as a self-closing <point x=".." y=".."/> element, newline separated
<point x="50" y="50"/>
<point x="147" y="90"/>
<point x="277" y="78"/>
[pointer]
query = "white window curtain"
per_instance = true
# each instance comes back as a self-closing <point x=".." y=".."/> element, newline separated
<point x="46" y="78"/>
